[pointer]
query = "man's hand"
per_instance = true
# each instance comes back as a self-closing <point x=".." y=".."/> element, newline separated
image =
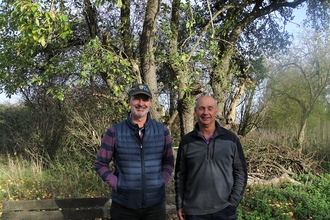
<point x="180" y="214"/>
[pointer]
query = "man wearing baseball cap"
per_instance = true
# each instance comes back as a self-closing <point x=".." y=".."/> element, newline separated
<point x="142" y="154"/>
<point x="140" y="89"/>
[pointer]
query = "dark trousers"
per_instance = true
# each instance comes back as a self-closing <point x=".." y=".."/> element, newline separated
<point x="157" y="212"/>
<point x="228" y="213"/>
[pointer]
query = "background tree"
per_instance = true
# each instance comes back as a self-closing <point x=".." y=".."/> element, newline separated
<point x="218" y="43"/>
<point x="107" y="46"/>
<point x="300" y="82"/>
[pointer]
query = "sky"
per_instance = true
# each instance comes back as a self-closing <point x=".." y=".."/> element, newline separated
<point x="296" y="24"/>
<point x="3" y="99"/>
<point x="291" y="27"/>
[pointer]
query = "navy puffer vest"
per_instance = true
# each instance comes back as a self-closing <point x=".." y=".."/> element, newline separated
<point x="138" y="164"/>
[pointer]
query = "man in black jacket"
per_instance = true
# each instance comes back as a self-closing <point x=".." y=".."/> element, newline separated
<point x="210" y="172"/>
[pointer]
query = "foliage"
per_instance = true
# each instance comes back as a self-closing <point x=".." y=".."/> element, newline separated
<point x="88" y="119"/>
<point x="59" y="45"/>
<point x="310" y="200"/>
<point x="45" y="126"/>
<point x="45" y="46"/>
<point x="32" y="131"/>
<point x="29" y="30"/>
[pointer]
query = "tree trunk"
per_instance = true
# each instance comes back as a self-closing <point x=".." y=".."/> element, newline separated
<point x="186" y="113"/>
<point x="232" y="112"/>
<point x="148" y="65"/>
<point x="221" y="78"/>
<point x="301" y="135"/>
<point x="185" y="104"/>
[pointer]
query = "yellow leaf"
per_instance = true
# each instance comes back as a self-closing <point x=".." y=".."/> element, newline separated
<point x="42" y="41"/>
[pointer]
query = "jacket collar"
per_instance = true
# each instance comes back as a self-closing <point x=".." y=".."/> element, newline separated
<point x="218" y="129"/>
<point x="132" y="125"/>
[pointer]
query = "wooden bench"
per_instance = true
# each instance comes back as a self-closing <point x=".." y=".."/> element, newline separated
<point x="53" y="209"/>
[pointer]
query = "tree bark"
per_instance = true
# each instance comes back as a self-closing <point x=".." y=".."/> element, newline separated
<point x="148" y="65"/>
<point x="232" y="112"/>
<point x="301" y="135"/>
<point x="185" y="108"/>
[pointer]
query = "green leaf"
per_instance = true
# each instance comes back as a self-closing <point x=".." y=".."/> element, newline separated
<point x="119" y="4"/>
<point x="64" y="35"/>
<point x="34" y="8"/>
<point x="64" y="18"/>
<point x="83" y="74"/>
<point x="109" y="58"/>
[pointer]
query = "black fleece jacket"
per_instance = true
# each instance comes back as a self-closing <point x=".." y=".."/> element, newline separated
<point x="209" y="177"/>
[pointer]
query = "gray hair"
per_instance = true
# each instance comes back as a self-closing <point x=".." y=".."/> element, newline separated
<point x="205" y="95"/>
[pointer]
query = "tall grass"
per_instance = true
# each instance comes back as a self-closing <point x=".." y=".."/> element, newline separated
<point x="22" y="179"/>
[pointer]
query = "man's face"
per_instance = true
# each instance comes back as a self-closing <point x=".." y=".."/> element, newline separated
<point x="206" y="110"/>
<point x="140" y="105"/>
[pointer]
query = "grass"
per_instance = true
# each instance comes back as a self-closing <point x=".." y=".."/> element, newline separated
<point x="21" y="180"/>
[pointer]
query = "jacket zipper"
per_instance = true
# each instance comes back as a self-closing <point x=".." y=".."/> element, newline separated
<point x="208" y="150"/>
<point x="142" y="170"/>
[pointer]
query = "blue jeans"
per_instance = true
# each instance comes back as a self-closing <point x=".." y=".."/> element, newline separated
<point x="157" y="212"/>
<point x="228" y="213"/>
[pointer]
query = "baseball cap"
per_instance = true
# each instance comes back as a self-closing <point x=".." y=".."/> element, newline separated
<point x="139" y="89"/>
